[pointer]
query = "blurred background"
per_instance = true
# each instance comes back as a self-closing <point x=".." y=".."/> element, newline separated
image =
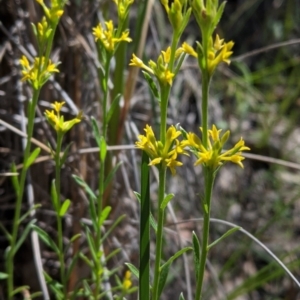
<point x="256" y="97"/>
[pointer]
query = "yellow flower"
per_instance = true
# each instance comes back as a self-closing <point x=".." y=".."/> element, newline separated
<point x="159" y="153"/>
<point x="213" y="156"/>
<point x="108" y="37"/>
<point x="186" y="48"/>
<point x="218" y="52"/>
<point x="57" y="121"/>
<point x="160" y="69"/>
<point x="127" y="281"/>
<point x="57" y="106"/>
<point x="38" y="72"/>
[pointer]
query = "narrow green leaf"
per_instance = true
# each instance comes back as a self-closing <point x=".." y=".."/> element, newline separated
<point x="36" y="294"/>
<point x="104" y="215"/>
<point x="103" y="149"/>
<point x="28" y="213"/>
<point x="64" y="156"/>
<point x="162" y="279"/>
<point x="72" y="265"/>
<point x="46" y="238"/>
<point x="54" y="196"/>
<point x="88" y="290"/>
<point x="55" y="287"/>
<point x="166" y="200"/>
<point x="112" y="254"/>
<point x="32" y="157"/>
<point x="181" y="297"/>
<point x="151" y="84"/>
<point x="15" y="179"/>
<point x="84" y="185"/>
<point x="64" y="208"/>
<point x="7" y="234"/>
<point x="164" y="269"/>
<point x="112" y="227"/>
<point x="138" y="196"/>
<point x="111" y="174"/>
<point x="153" y="222"/>
<point x="144" y="259"/>
<point x="91" y="244"/>
<point x="93" y="215"/>
<point x="226" y="234"/>
<point x="196" y="252"/>
<point x="23" y="236"/>
<point x="86" y="259"/>
<point x="96" y="132"/>
<point x="114" y="105"/>
<point x="133" y="270"/>
<point x="75" y="237"/>
<point x="3" y="275"/>
<point x="175" y="256"/>
<point x="20" y="289"/>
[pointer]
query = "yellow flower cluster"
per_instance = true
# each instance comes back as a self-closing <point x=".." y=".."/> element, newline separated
<point x="212" y="155"/>
<point x="218" y="52"/>
<point x="57" y="121"/>
<point x="159" y="153"/>
<point x="55" y="11"/>
<point x="127" y="283"/>
<point x="108" y="37"/>
<point x="159" y="69"/>
<point x="38" y="72"/>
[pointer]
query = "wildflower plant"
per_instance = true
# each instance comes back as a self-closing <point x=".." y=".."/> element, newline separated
<point x="163" y="153"/>
<point x="36" y="74"/>
<point x="162" y="149"/>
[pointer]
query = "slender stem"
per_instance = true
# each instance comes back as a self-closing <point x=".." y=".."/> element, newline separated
<point x="204" y="115"/>
<point x="18" y="205"/>
<point x="159" y="234"/>
<point x="98" y="241"/>
<point x="209" y="177"/>
<point x="58" y="217"/>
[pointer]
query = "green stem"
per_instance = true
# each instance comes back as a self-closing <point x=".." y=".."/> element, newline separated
<point x="18" y="205"/>
<point x="209" y="177"/>
<point x="204" y="115"/>
<point x="159" y="234"/>
<point x="97" y="265"/>
<point x="58" y="217"/>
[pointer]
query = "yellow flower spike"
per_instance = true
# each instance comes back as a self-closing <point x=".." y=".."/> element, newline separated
<point x="107" y="37"/>
<point x="218" y="52"/>
<point x="159" y="153"/>
<point x="212" y="156"/>
<point x="57" y="121"/>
